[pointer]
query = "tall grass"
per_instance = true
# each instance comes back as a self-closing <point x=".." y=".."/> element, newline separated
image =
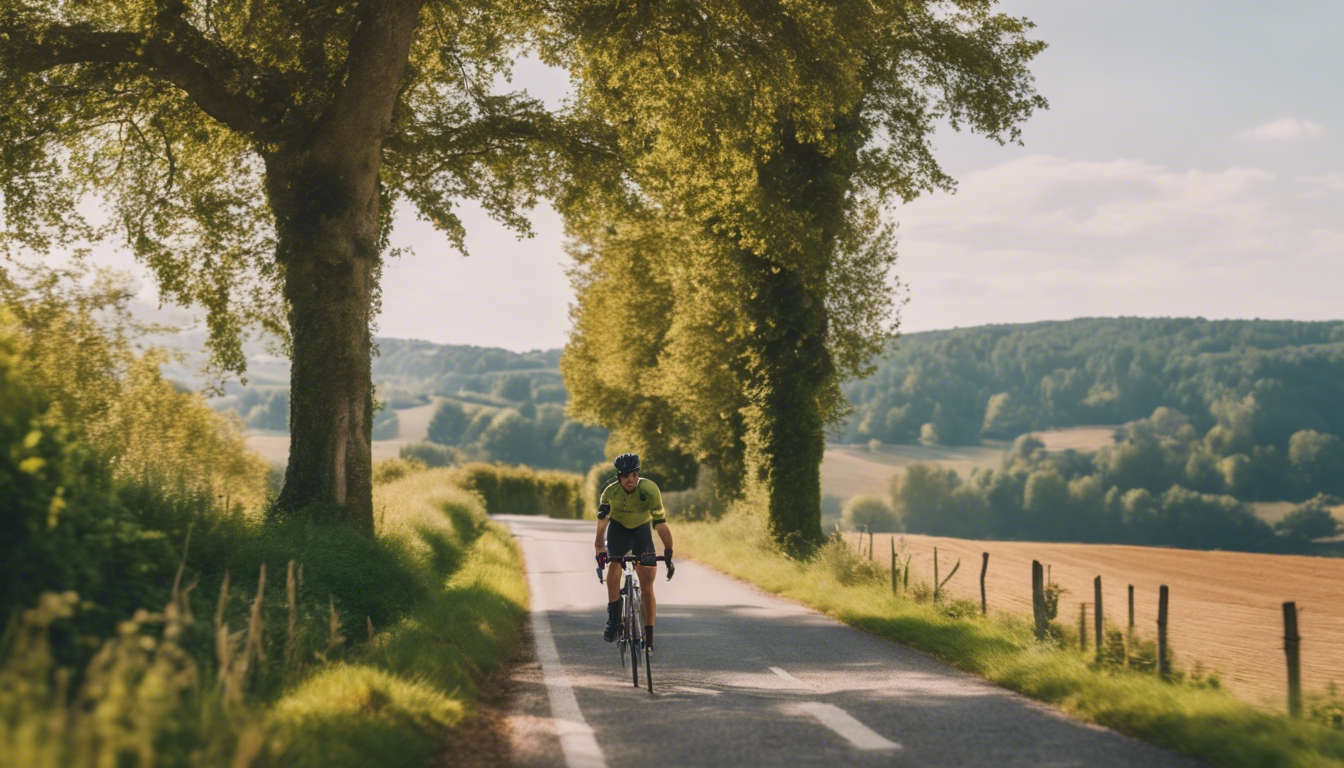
<point x="281" y="643"/>
<point x="1193" y="719"/>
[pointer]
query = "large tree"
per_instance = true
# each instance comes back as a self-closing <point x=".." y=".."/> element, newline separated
<point x="250" y="154"/>
<point x="766" y="136"/>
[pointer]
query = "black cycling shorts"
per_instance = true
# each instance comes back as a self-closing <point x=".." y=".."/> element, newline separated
<point x="635" y="541"/>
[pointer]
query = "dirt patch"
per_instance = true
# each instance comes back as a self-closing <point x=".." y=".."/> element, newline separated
<point x="485" y="738"/>
<point x="1226" y="608"/>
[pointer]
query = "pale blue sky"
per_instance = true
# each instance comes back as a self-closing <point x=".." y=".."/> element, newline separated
<point x="1191" y="163"/>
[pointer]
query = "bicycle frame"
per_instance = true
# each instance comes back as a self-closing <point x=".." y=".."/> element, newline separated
<point x="632" y="616"/>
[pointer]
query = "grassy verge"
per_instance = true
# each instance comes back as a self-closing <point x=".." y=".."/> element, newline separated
<point x="393" y="701"/>
<point x="354" y="651"/>
<point x="1209" y="724"/>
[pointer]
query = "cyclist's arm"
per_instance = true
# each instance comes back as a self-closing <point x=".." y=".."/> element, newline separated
<point x="601" y="542"/>
<point x="664" y="532"/>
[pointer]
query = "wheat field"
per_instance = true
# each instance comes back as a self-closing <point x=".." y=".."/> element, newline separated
<point x="1225" y="608"/>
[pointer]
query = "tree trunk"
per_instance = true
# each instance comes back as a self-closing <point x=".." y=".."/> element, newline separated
<point x="324" y="190"/>
<point x="327" y="222"/>
<point x="794" y="368"/>
<point x="788" y="427"/>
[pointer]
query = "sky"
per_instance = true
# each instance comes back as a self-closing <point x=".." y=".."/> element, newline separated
<point x="1191" y="163"/>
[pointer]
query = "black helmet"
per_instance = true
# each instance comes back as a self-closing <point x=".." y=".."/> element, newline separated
<point x="627" y="463"/>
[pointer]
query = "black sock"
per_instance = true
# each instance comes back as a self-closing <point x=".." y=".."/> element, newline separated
<point x="648" y="635"/>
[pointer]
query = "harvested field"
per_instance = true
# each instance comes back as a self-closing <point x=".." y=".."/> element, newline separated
<point x="849" y="470"/>
<point x="1226" y="608"/>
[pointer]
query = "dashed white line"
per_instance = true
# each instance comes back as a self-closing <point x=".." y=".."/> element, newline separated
<point x="840" y="721"/>
<point x="577" y="740"/>
<point x="795" y="682"/>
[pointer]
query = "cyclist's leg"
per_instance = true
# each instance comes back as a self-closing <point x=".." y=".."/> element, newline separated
<point x="643" y="543"/>
<point x="647" y="576"/>
<point x="619" y="542"/>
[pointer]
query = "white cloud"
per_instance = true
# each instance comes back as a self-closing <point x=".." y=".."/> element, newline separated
<point x="1046" y="237"/>
<point x="1075" y="204"/>
<point x="1284" y="128"/>
<point x="1320" y="186"/>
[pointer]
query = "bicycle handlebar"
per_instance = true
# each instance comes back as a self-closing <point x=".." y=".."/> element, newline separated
<point x="636" y="559"/>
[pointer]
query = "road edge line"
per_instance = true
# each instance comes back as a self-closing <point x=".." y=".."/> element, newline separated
<point x="577" y="739"/>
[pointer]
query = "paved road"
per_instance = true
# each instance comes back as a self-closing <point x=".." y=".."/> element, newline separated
<point x="742" y="678"/>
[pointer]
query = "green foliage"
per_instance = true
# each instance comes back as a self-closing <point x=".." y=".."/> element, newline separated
<point x="1311" y="520"/>
<point x="448" y="424"/>
<point x="869" y="513"/>
<point x="725" y="292"/>
<point x="108" y="464"/>
<point x="525" y="491"/>
<point x="429" y="454"/>
<point x="1244" y="382"/>
<point x="340" y="663"/>
<point x="391" y="470"/>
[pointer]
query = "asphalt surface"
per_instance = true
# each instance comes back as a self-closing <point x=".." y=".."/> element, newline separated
<point x="743" y="678"/>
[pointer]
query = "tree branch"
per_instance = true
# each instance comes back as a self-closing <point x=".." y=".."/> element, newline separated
<point x="178" y="54"/>
<point x="379" y="53"/>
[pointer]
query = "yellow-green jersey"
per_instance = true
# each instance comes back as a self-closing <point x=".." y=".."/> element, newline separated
<point x="636" y="508"/>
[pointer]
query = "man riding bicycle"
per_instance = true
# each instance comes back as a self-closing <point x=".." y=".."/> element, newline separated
<point x="628" y="512"/>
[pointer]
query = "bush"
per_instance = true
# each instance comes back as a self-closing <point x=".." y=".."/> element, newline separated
<point x="430" y="455"/>
<point x="869" y="513"/>
<point x="390" y="470"/>
<point x="843" y="562"/>
<point x="524" y="491"/>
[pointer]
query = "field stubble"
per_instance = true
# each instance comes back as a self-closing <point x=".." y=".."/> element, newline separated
<point x="1225" y="611"/>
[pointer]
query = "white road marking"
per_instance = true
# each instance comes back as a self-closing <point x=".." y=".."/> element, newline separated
<point x="577" y="740"/>
<point x="790" y="678"/>
<point x="840" y="721"/>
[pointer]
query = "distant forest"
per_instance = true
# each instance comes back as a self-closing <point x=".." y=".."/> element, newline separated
<point x="1210" y="415"/>
<point x="955" y="387"/>
<point x="1236" y="410"/>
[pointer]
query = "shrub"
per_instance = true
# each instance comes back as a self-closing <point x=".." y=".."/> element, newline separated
<point x="524" y="491"/>
<point x="843" y="562"/>
<point x="430" y="455"/>
<point x="869" y="513"/>
<point x="388" y="470"/>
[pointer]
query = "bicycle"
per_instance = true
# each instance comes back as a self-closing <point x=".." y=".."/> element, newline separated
<point x="632" y="616"/>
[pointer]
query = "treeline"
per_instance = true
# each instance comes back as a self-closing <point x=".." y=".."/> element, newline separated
<point x="409" y="367"/>
<point x="956" y="387"/>
<point x="1160" y="484"/>
<point x="514" y="428"/>
<point x="496" y="405"/>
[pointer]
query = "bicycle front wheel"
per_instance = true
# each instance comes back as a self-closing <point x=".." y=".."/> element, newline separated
<point x="648" y="668"/>
<point x="636" y="634"/>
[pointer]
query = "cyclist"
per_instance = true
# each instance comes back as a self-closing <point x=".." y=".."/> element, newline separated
<point x="628" y="512"/>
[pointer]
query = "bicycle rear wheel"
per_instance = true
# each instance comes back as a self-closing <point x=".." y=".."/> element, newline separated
<point x="636" y="633"/>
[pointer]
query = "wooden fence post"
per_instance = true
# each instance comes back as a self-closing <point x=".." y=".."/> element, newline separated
<point x="1099" y="620"/>
<point x="935" y="574"/>
<point x="894" y="575"/>
<point x="1038" y="598"/>
<point x="1292" y="647"/>
<point x="984" y="566"/>
<point x="1082" y="626"/>
<point x="1163" y="663"/>
<point x="1129" y="633"/>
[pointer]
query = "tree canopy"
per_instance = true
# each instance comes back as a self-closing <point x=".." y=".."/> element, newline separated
<point x="739" y="271"/>
<point x="251" y="153"/>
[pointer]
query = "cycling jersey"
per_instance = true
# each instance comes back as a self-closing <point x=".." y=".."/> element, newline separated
<point x="636" y="508"/>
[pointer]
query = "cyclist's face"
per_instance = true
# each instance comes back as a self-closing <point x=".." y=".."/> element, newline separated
<point x="629" y="480"/>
